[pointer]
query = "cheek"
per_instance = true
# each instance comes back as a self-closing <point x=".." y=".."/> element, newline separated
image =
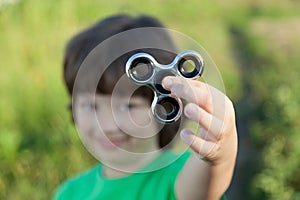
<point x="135" y="120"/>
<point x="141" y="118"/>
<point x="139" y="124"/>
<point x="83" y="122"/>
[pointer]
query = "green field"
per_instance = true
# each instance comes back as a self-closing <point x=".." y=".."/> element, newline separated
<point x="255" y="44"/>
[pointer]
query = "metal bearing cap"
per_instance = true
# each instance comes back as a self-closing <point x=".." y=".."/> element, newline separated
<point x="143" y="69"/>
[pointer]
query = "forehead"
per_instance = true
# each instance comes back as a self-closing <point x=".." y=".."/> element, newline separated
<point x="123" y="87"/>
<point x="107" y="98"/>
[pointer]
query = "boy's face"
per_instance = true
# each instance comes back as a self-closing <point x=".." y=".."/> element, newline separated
<point x="115" y="127"/>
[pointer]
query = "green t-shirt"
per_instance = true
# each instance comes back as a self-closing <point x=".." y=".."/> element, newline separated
<point x="152" y="185"/>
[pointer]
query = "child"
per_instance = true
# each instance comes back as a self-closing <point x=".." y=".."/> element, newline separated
<point x="114" y="123"/>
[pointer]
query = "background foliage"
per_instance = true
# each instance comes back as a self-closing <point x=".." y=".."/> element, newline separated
<point x="255" y="44"/>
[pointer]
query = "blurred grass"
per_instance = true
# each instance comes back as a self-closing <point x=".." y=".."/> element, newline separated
<point x="39" y="146"/>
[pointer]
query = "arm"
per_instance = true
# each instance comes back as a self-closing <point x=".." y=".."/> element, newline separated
<point x="216" y="143"/>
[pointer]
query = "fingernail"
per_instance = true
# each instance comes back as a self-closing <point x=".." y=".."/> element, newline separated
<point x="190" y="110"/>
<point x="187" y="137"/>
<point x="167" y="82"/>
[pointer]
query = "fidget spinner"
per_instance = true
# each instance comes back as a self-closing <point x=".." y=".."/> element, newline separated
<point x="143" y="69"/>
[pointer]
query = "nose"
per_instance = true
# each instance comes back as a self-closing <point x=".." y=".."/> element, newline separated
<point x="106" y="120"/>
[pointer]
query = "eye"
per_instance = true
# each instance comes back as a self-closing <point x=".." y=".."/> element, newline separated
<point x="88" y="106"/>
<point x="127" y="106"/>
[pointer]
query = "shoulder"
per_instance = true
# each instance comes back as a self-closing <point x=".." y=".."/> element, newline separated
<point x="178" y="159"/>
<point x="166" y="161"/>
<point x="169" y="174"/>
<point x="168" y="165"/>
<point x="80" y="181"/>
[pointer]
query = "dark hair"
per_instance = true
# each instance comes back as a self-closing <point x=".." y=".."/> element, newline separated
<point x="79" y="47"/>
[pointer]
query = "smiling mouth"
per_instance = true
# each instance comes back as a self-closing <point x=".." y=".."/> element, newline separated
<point x="112" y="143"/>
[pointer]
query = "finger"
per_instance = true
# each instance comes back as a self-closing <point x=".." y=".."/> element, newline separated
<point x="204" y="148"/>
<point x="170" y="81"/>
<point x="206" y="120"/>
<point x="205" y="135"/>
<point x="202" y="94"/>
